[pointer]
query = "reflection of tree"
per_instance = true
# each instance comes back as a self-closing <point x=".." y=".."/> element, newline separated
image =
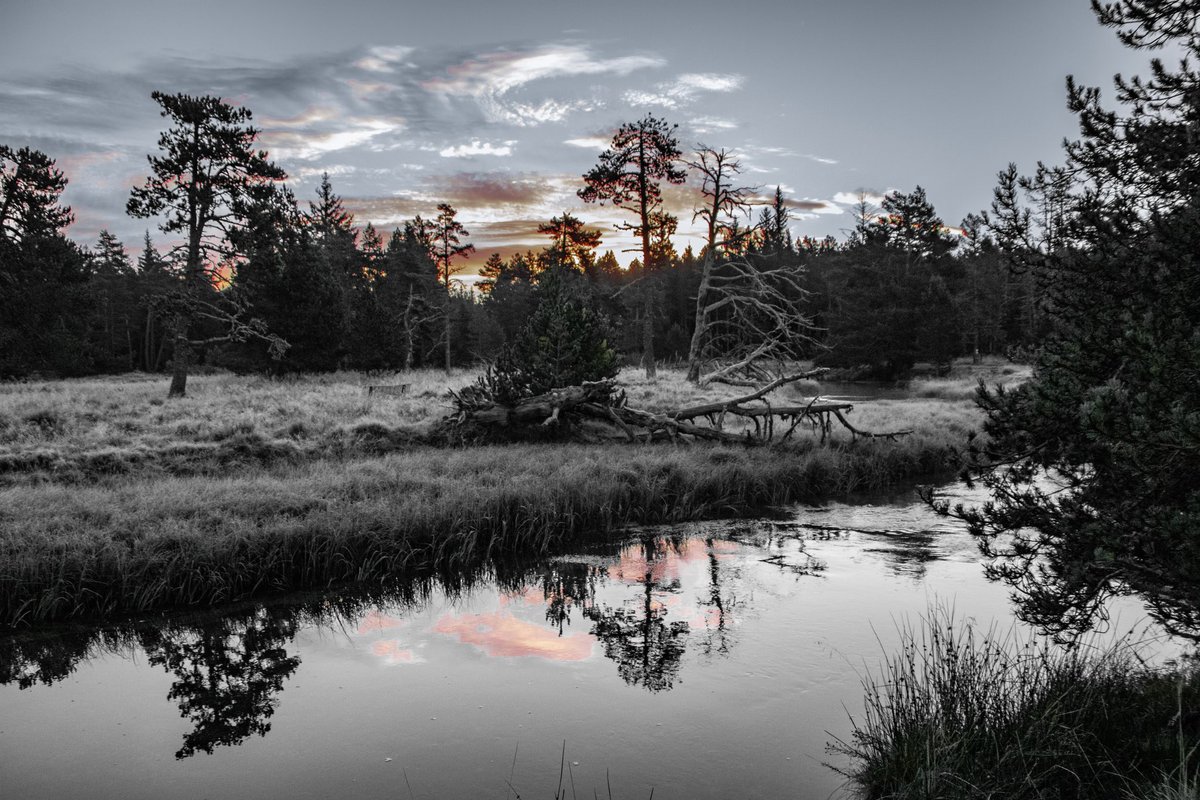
<point x="33" y="660"/>
<point x="646" y="647"/>
<point x="566" y="585"/>
<point x="717" y="639"/>
<point x="227" y="674"/>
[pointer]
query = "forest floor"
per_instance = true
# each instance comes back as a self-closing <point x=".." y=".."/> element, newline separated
<point x="116" y="500"/>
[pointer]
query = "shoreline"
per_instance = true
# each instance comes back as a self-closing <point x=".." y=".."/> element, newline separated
<point x="73" y="552"/>
<point x="114" y="502"/>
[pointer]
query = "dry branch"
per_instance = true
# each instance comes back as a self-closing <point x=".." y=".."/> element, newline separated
<point x="601" y="402"/>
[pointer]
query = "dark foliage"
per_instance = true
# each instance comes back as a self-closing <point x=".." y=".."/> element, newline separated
<point x="1093" y="463"/>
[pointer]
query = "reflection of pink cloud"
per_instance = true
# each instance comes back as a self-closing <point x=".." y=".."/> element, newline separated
<point x="527" y="597"/>
<point x="376" y="620"/>
<point x="632" y="567"/>
<point x="503" y="635"/>
<point x="392" y="653"/>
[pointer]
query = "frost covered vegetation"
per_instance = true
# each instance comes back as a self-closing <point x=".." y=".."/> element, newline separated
<point x="114" y="501"/>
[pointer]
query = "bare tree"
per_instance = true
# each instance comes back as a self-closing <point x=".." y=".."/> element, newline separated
<point x="747" y="307"/>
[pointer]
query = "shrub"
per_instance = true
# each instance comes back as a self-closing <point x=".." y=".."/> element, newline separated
<point x="565" y="342"/>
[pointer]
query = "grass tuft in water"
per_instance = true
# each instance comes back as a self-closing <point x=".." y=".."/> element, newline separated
<point x="963" y="714"/>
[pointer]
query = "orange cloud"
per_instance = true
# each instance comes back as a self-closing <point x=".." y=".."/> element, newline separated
<point x="502" y="635"/>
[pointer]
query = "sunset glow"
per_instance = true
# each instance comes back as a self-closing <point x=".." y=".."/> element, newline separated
<point x="406" y="107"/>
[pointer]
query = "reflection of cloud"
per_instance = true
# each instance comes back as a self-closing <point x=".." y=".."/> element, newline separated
<point x="391" y="652"/>
<point x="503" y="635"/>
<point x="632" y="566"/>
<point x="375" y="620"/>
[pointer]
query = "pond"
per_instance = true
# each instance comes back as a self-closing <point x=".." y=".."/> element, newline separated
<point x="708" y="660"/>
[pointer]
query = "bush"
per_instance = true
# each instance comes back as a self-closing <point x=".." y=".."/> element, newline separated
<point x="565" y="342"/>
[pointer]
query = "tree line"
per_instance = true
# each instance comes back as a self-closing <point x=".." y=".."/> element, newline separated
<point x="256" y="281"/>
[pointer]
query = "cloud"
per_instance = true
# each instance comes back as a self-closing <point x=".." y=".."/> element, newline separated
<point x="503" y="71"/>
<point x="306" y="144"/>
<point x="492" y="79"/>
<point x="813" y="206"/>
<point x="383" y="59"/>
<point x="710" y="81"/>
<point x="705" y="124"/>
<point x="684" y="89"/>
<point x="478" y="148"/>
<point x="589" y="142"/>
<point x="853" y="198"/>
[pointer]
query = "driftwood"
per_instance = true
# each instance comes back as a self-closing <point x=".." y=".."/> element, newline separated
<point x="600" y="401"/>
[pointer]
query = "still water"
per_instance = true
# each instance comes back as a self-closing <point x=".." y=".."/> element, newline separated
<point x="709" y="660"/>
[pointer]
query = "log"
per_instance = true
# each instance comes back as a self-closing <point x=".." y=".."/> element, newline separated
<point x="544" y="408"/>
<point x="599" y="401"/>
<point x="723" y="405"/>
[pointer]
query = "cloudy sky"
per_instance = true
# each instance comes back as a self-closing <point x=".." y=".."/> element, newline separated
<point x="499" y="107"/>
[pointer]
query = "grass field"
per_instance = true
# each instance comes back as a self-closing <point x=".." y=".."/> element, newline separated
<point x="113" y="500"/>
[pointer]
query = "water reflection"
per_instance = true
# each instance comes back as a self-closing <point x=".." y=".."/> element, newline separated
<point x="228" y="673"/>
<point x="638" y="636"/>
<point x="642" y="605"/>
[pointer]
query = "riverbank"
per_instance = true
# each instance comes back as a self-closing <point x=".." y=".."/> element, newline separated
<point x="355" y="496"/>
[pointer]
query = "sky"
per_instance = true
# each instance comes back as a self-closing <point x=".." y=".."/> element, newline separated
<point x="499" y="106"/>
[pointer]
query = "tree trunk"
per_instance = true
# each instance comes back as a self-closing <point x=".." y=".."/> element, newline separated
<point x="180" y="359"/>
<point x="701" y="324"/>
<point x="447" y="330"/>
<point x="408" y="331"/>
<point x="648" y="337"/>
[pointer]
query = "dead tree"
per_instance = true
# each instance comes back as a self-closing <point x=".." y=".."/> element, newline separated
<point x="601" y="402"/>
<point x="747" y="311"/>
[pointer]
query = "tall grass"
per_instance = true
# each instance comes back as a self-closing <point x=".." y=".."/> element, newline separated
<point x="963" y="714"/>
<point x="69" y="551"/>
<point x="112" y="501"/>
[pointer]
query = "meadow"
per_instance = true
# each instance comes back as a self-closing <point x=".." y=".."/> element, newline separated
<point x="114" y="500"/>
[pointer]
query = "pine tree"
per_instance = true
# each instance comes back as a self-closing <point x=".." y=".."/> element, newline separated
<point x="204" y="177"/>
<point x="448" y="245"/>
<point x="1092" y="464"/>
<point x="628" y="175"/>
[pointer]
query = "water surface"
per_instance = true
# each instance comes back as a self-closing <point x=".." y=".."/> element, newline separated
<point x="709" y="660"/>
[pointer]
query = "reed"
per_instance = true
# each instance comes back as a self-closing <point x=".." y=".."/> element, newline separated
<point x="960" y="713"/>
<point x="126" y="546"/>
<point x="112" y="501"/>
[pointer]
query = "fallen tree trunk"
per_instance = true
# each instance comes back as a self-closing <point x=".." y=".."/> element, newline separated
<point x="600" y="401"/>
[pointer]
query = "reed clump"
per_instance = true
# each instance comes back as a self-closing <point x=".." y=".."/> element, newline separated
<point x="962" y="714"/>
